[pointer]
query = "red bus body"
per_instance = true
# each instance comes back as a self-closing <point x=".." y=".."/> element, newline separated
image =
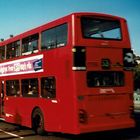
<point x="79" y="106"/>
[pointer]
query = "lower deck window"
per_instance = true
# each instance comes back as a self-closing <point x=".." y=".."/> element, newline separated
<point x="48" y="87"/>
<point x="30" y="87"/>
<point x="105" y="78"/>
<point x="12" y="88"/>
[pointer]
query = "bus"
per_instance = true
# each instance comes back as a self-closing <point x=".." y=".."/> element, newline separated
<point x="72" y="75"/>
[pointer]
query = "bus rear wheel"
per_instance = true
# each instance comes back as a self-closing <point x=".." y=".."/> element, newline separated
<point x="38" y="122"/>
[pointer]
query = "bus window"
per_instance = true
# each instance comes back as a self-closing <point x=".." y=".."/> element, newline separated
<point x="30" y="44"/>
<point x="101" y="28"/>
<point x="2" y="53"/>
<point x="2" y="89"/>
<point x="12" y="88"/>
<point x="48" y="87"/>
<point x="13" y="50"/>
<point x="2" y="98"/>
<point x="105" y="79"/>
<point x="30" y="87"/>
<point x="61" y="35"/>
<point x="54" y="37"/>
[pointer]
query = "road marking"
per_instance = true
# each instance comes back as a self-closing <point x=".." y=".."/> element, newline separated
<point x="11" y="134"/>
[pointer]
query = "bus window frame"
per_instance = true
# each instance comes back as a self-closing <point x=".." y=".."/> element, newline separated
<point x="16" y="91"/>
<point x="54" y="29"/>
<point x="2" y="57"/>
<point x="12" y="49"/>
<point x="29" y="88"/>
<point x="99" y="79"/>
<point x="48" y="91"/>
<point x="27" y="44"/>
<point x="97" y="38"/>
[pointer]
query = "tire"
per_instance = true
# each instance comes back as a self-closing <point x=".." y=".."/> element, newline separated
<point x="38" y="122"/>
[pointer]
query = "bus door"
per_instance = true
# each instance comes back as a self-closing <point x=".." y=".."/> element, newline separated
<point x="1" y="98"/>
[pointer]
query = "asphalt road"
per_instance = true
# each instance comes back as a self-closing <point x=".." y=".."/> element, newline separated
<point x="14" y="132"/>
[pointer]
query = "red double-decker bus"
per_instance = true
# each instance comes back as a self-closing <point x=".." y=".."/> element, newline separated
<point x="72" y="75"/>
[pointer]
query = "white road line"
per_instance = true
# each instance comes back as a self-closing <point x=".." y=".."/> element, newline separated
<point x="11" y="134"/>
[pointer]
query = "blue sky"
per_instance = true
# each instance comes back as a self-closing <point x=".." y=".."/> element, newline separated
<point x="17" y="16"/>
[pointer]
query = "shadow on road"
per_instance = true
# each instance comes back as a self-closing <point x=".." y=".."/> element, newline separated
<point x="125" y="134"/>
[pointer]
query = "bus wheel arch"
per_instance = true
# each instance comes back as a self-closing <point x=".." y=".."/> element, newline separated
<point x="38" y="121"/>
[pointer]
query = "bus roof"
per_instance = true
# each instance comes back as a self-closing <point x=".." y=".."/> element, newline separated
<point x="40" y="28"/>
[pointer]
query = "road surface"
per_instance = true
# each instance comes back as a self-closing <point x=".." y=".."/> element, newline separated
<point x="14" y="132"/>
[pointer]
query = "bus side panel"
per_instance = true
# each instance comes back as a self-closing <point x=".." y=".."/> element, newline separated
<point x="16" y="110"/>
<point x="22" y="108"/>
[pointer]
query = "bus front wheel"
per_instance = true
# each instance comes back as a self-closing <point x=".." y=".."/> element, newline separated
<point x="38" y="121"/>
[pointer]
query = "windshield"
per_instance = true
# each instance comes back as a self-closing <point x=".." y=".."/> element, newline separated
<point x="100" y="28"/>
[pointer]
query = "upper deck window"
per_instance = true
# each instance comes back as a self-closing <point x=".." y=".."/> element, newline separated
<point x="13" y="50"/>
<point x="30" y="44"/>
<point x="2" y="52"/>
<point x="101" y="28"/>
<point x="54" y="37"/>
